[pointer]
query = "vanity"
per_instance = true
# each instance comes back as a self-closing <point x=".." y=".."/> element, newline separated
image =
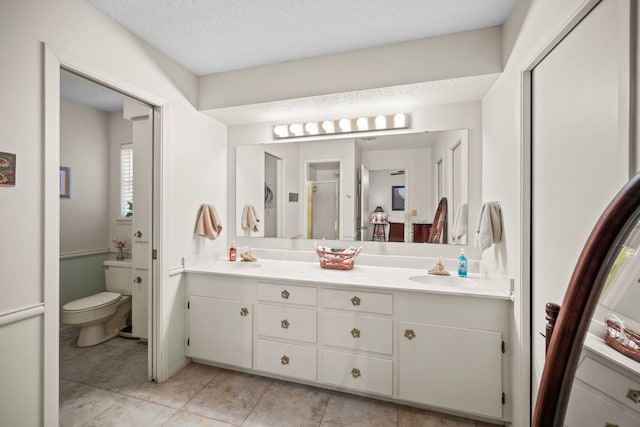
<point x="389" y="333"/>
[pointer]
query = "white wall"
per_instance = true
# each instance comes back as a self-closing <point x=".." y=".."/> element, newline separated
<point x="380" y="183"/>
<point x="120" y="132"/>
<point x="84" y="147"/>
<point x="193" y="149"/>
<point x="532" y="25"/>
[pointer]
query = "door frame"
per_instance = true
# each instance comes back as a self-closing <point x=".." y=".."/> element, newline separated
<point x="54" y="60"/>
<point x="626" y="127"/>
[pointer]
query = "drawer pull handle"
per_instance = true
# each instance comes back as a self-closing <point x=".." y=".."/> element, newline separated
<point x="244" y="312"/>
<point x="137" y="234"/>
<point x="284" y="324"/>
<point x="355" y="301"/>
<point x="284" y="360"/>
<point x="137" y="280"/>
<point x="355" y="332"/>
<point x="611" y="425"/>
<point x="408" y="333"/>
<point x="355" y="373"/>
<point x="634" y="395"/>
<point x="285" y="294"/>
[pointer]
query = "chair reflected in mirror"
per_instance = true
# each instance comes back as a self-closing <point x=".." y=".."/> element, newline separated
<point x="438" y="230"/>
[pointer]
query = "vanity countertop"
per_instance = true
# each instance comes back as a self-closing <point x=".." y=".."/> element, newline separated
<point x="391" y="278"/>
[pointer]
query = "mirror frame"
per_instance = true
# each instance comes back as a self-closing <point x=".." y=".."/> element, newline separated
<point x="579" y="304"/>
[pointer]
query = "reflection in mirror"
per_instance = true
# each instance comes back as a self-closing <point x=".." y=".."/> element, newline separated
<point x="383" y="188"/>
<point x="609" y="364"/>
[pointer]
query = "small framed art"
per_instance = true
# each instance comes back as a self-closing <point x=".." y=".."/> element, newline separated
<point x="7" y="169"/>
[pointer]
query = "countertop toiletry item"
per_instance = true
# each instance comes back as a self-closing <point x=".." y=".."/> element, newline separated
<point x="439" y="269"/>
<point x="233" y="252"/>
<point x="462" y="264"/>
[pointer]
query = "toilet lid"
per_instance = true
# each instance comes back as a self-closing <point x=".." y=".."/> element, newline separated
<point x="92" y="302"/>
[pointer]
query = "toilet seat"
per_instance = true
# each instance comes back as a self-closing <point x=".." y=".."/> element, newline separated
<point x="92" y="302"/>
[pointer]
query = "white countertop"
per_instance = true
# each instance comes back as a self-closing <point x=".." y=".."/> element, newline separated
<point x="391" y="278"/>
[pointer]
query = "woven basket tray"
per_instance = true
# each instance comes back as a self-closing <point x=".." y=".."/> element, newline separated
<point x="615" y="338"/>
<point x="336" y="259"/>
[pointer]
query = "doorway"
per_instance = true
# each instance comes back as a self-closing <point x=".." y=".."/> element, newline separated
<point x="105" y="230"/>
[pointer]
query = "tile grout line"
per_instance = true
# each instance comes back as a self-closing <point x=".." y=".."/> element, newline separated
<point x="325" y="408"/>
<point x="257" y="402"/>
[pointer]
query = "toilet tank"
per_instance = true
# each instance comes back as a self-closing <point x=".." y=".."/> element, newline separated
<point x="117" y="275"/>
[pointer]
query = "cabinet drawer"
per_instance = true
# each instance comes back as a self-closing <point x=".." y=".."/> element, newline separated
<point x="358" y="372"/>
<point x="287" y="294"/>
<point x="287" y="323"/>
<point x="587" y="409"/>
<point x="358" y="301"/>
<point x="286" y="359"/>
<point x="358" y="332"/>
<point x="608" y="381"/>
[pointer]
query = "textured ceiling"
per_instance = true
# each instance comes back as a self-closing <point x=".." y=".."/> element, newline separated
<point x="210" y="36"/>
<point x="372" y="101"/>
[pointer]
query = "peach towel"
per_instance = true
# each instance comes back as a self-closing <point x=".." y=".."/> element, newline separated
<point x="209" y="225"/>
<point x="249" y="218"/>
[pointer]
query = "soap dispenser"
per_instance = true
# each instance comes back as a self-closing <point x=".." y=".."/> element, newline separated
<point x="462" y="264"/>
<point x="233" y="252"/>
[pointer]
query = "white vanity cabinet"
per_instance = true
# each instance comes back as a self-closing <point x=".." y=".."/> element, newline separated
<point x="286" y="330"/>
<point x="220" y="319"/>
<point x="358" y="340"/>
<point x="450" y="352"/>
<point x="603" y="394"/>
<point x="433" y="349"/>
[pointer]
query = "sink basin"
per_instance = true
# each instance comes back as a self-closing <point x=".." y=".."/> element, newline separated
<point x="448" y="281"/>
<point x="239" y="265"/>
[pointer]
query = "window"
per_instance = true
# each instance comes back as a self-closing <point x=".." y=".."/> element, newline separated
<point x="126" y="180"/>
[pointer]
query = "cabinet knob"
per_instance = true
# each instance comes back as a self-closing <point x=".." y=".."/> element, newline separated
<point x="284" y="360"/>
<point x="244" y="312"/>
<point x="408" y="333"/>
<point x="355" y="301"/>
<point x="285" y="294"/>
<point x="355" y="373"/>
<point x="137" y="280"/>
<point x="355" y="332"/>
<point x="634" y="395"/>
<point x="137" y="234"/>
<point x="284" y="324"/>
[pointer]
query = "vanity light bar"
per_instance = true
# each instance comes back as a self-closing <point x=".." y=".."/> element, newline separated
<point x="331" y="127"/>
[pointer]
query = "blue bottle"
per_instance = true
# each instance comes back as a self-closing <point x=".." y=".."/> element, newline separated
<point x="462" y="264"/>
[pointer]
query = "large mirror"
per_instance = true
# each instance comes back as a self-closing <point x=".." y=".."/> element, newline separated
<point x="592" y="372"/>
<point x="383" y="188"/>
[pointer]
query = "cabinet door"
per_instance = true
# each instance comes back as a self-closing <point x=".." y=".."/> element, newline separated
<point x="587" y="409"/>
<point x="140" y="303"/>
<point x="454" y="368"/>
<point x="220" y="331"/>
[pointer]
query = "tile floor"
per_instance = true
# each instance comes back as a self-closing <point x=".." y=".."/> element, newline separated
<point x="97" y="389"/>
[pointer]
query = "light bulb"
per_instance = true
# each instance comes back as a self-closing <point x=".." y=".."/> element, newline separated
<point x="381" y="122"/>
<point x="311" y="128"/>
<point x="399" y="120"/>
<point x="328" y="126"/>
<point x="296" y="129"/>
<point x="345" y="125"/>
<point x="362" y="123"/>
<point x="280" y="131"/>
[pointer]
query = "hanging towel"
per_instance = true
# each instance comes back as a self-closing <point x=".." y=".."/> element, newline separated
<point x="249" y="218"/>
<point x="489" y="230"/>
<point x="209" y="224"/>
<point x="461" y="221"/>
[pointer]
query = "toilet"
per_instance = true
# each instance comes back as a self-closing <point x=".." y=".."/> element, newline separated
<point x="101" y="316"/>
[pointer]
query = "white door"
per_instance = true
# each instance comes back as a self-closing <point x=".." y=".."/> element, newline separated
<point x="364" y="203"/>
<point x="579" y="158"/>
<point x="324" y="210"/>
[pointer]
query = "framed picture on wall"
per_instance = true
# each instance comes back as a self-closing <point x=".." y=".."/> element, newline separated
<point x="397" y="197"/>
<point x="65" y="182"/>
<point x="7" y="169"/>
